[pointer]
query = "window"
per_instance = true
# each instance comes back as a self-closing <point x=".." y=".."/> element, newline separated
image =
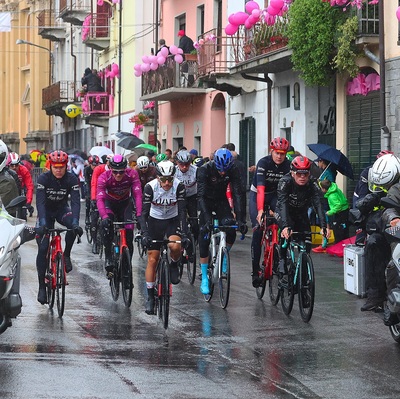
<point x="200" y="20"/>
<point x="296" y="96"/>
<point x="284" y="92"/>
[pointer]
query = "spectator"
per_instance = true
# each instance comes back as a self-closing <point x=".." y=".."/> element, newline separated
<point x="193" y="153"/>
<point x="186" y="44"/>
<point x="328" y="170"/>
<point x="162" y="44"/>
<point x="168" y="153"/>
<point x="91" y="81"/>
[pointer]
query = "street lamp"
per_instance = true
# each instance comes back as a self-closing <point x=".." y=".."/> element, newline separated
<point x="20" y="41"/>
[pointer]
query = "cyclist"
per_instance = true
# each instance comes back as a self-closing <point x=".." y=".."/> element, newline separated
<point x="212" y="182"/>
<point x="53" y="189"/>
<point x="93" y="162"/>
<point x="297" y="192"/>
<point x="25" y="178"/>
<point x="263" y="193"/>
<point x="186" y="173"/>
<point x="164" y="214"/>
<point x="146" y="171"/>
<point x="161" y="157"/>
<point x="116" y="188"/>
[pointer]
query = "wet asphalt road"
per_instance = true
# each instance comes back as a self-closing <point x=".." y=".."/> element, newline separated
<point x="100" y="349"/>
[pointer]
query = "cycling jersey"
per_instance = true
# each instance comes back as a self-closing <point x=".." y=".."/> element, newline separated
<point x="98" y="170"/>
<point x="111" y="190"/>
<point x="188" y="179"/>
<point x="26" y="182"/>
<point x="147" y="176"/>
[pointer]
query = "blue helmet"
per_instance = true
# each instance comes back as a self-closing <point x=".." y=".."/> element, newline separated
<point x="223" y="159"/>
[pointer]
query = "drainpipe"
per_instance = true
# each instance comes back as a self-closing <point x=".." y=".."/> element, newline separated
<point x="120" y="65"/>
<point x="156" y="102"/>
<point x="74" y="83"/>
<point x="371" y="55"/>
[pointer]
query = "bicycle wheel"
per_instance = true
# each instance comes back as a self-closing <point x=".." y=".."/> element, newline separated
<point x="395" y="332"/>
<point x="88" y="233"/>
<point x="265" y="253"/>
<point x="210" y="276"/>
<point x="50" y="292"/>
<point x="191" y="261"/>
<point x="287" y="288"/>
<point x="225" y="278"/>
<point x="140" y="247"/>
<point x="274" y="291"/>
<point x="306" y="284"/>
<point x="164" y="293"/>
<point x="114" y="281"/>
<point x="126" y="276"/>
<point x="60" y="284"/>
<point x="99" y="240"/>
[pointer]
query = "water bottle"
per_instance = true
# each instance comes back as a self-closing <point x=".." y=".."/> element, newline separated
<point x="116" y="249"/>
<point x="215" y="223"/>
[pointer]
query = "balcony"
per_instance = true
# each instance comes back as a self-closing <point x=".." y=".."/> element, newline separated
<point x="368" y="24"/>
<point x="96" y="108"/>
<point x="73" y="11"/>
<point x="56" y="97"/>
<point x="172" y="81"/>
<point x="97" y="33"/>
<point x="49" y="27"/>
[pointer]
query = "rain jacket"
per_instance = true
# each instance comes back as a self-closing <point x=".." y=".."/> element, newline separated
<point x="336" y="199"/>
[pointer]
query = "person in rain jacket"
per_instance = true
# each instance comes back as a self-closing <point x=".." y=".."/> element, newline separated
<point x="338" y="212"/>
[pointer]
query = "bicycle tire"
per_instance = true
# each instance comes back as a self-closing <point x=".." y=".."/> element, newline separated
<point x="157" y="290"/>
<point x="265" y="253"/>
<point x="126" y="277"/>
<point x="60" y="284"/>
<point x="99" y="239"/>
<point x="274" y="291"/>
<point x="114" y="281"/>
<point x="210" y="276"/>
<point x="287" y="288"/>
<point x="141" y="248"/>
<point x="164" y="293"/>
<point x="192" y="261"/>
<point x="395" y="332"/>
<point x="88" y="234"/>
<point x="306" y="287"/>
<point x="50" y="292"/>
<point x="224" y="278"/>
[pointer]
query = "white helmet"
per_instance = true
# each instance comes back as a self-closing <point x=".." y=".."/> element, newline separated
<point x="3" y="155"/>
<point x="14" y="158"/>
<point x="165" y="168"/>
<point x="143" y="162"/>
<point x="384" y="173"/>
<point x="183" y="156"/>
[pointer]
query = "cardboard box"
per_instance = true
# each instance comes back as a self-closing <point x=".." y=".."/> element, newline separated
<point x="354" y="270"/>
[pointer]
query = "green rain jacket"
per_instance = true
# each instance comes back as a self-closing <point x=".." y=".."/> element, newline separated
<point x="336" y="199"/>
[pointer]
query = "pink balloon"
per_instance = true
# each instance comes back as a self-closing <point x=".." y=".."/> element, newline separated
<point x="248" y="24"/>
<point x="272" y="11"/>
<point x="173" y="49"/>
<point x="160" y="60"/>
<point x="231" y="18"/>
<point x="250" y="6"/>
<point x="115" y="67"/>
<point x="180" y="51"/>
<point x="137" y="67"/>
<point x="152" y="59"/>
<point x="145" y="67"/>
<point x="231" y="29"/>
<point x="178" y="58"/>
<point x="164" y="52"/>
<point x="270" y="19"/>
<point x="145" y="59"/>
<point x="398" y="13"/>
<point x="239" y="18"/>
<point x="256" y="13"/>
<point x="138" y="73"/>
<point x="153" y="66"/>
<point x="253" y="20"/>
<point x="277" y="4"/>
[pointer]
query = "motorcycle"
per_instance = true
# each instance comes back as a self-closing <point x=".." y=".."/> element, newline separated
<point x="10" y="263"/>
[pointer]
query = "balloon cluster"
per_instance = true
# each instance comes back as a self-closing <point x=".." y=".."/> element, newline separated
<point x="254" y="14"/>
<point x="152" y="62"/>
<point x="101" y="2"/>
<point x="114" y="72"/>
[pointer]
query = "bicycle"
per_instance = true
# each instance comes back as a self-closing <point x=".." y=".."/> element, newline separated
<point x="56" y="276"/>
<point x="269" y="269"/>
<point x="300" y="277"/>
<point x="142" y="250"/>
<point x="163" y="286"/>
<point x="189" y="260"/>
<point x="219" y="263"/>
<point x="122" y="272"/>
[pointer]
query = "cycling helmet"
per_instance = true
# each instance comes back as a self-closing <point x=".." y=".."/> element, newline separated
<point x="94" y="160"/>
<point x="183" y="156"/>
<point x="3" y="155"/>
<point x="384" y="173"/>
<point x="223" y="159"/>
<point x="58" y="158"/>
<point x="165" y="168"/>
<point x="143" y="162"/>
<point x="300" y="163"/>
<point x="13" y="158"/>
<point x="199" y="161"/>
<point x="279" y="144"/>
<point x="161" y="157"/>
<point x="383" y="152"/>
<point x="118" y="162"/>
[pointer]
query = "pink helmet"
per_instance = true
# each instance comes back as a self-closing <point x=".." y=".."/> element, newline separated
<point x="13" y="158"/>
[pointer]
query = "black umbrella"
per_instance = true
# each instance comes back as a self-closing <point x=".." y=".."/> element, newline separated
<point x="128" y="141"/>
<point x="77" y="151"/>
<point x="333" y="156"/>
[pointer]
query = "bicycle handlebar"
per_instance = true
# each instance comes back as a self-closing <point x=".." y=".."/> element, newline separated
<point x="59" y="230"/>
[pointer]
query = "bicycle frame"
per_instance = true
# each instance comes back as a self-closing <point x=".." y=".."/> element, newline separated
<point x="55" y="248"/>
<point x="217" y="242"/>
<point x="270" y="237"/>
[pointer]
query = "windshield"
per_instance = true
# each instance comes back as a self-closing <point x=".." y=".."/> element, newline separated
<point x="13" y="221"/>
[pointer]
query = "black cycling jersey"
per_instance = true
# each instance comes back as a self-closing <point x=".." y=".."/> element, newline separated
<point x="211" y="186"/>
<point x="294" y="201"/>
<point x="52" y="195"/>
<point x="88" y="173"/>
<point x="268" y="173"/>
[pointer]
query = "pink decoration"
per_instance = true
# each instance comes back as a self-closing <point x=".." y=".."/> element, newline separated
<point x="153" y="66"/>
<point x="180" y="51"/>
<point x="173" y="49"/>
<point x="239" y="18"/>
<point x="145" y="67"/>
<point x="178" y="58"/>
<point x="256" y="14"/>
<point x="111" y="104"/>
<point x="270" y="19"/>
<point x="231" y="19"/>
<point x="250" y="6"/>
<point x="273" y="11"/>
<point x="231" y="29"/>
<point x="164" y="52"/>
<point x="373" y="82"/>
<point x="248" y="24"/>
<point x="85" y="106"/>
<point x="278" y="4"/>
<point x="152" y="59"/>
<point x="137" y="67"/>
<point x="145" y="59"/>
<point x="161" y="60"/>
<point x="138" y="73"/>
<point x="398" y="13"/>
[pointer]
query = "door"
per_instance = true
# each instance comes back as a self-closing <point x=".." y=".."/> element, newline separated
<point x="247" y="145"/>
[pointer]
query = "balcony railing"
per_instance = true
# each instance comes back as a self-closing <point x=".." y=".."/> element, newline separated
<point x="74" y="11"/>
<point x="97" y="34"/>
<point x="97" y="104"/>
<point x="368" y="19"/>
<point x="57" y="95"/>
<point x="49" y="27"/>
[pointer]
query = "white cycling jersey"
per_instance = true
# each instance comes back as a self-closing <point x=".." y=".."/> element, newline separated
<point x="188" y="179"/>
<point x="164" y="204"/>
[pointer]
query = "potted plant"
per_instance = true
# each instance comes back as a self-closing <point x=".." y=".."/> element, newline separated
<point x="192" y="56"/>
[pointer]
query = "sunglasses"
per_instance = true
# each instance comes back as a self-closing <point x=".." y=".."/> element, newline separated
<point x="164" y="179"/>
<point x="184" y="163"/>
<point x="144" y="168"/>
<point x="304" y="173"/>
<point x="118" y="172"/>
<point x="13" y="165"/>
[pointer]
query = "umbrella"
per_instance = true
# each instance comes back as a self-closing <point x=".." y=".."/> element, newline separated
<point x="145" y="147"/>
<point x="129" y="141"/>
<point x="77" y="151"/>
<point x="333" y="156"/>
<point x="100" y="150"/>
